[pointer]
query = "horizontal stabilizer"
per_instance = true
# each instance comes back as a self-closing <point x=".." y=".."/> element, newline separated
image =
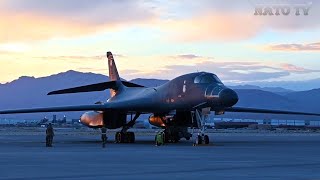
<point x="93" y="87"/>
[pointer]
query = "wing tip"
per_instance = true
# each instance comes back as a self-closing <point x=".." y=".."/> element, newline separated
<point x="52" y="93"/>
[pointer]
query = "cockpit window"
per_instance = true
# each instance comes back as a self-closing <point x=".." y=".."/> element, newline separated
<point x="197" y="79"/>
<point x="217" y="79"/>
<point x="206" y="79"/>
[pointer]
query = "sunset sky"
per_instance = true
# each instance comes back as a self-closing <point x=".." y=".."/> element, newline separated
<point x="158" y="39"/>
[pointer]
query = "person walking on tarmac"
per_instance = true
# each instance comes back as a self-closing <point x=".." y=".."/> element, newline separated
<point x="104" y="136"/>
<point x="49" y="135"/>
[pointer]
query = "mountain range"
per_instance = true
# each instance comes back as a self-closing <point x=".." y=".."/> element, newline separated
<point x="30" y="92"/>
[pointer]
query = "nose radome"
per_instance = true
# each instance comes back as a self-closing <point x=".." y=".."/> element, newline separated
<point x="228" y="97"/>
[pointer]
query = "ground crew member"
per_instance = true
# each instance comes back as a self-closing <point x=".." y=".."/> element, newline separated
<point x="160" y="138"/>
<point x="104" y="136"/>
<point x="49" y="135"/>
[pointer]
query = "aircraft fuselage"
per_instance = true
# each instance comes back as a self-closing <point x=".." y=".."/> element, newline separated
<point x="182" y="93"/>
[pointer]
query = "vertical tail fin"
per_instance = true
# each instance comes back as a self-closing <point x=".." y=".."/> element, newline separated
<point x="113" y="72"/>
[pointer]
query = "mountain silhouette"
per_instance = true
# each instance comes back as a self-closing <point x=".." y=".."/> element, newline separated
<point x="30" y="92"/>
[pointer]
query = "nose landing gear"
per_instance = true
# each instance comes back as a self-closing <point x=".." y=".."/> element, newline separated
<point x="201" y="139"/>
<point x="201" y="117"/>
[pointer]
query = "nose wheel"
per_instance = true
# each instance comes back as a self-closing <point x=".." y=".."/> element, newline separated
<point x="202" y="139"/>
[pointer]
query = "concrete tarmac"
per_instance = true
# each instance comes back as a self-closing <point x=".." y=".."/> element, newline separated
<point x="230" y="156"/>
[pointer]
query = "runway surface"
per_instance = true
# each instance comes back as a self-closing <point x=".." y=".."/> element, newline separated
<point x="231" y="156"/>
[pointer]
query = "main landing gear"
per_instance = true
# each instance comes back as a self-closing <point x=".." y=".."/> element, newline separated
<point x="124" y="136"/>
<point x="173" y="134"/>
<point x="201" y="117"/>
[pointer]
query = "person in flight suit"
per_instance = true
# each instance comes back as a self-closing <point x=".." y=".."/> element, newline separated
<point x="49" y="135"/>
<point x="104" y="136"/>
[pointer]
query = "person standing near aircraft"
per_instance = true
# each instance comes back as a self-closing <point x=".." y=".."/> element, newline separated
<point x="160" y="138"/>
<point x="49" y="135"/>
<point x="104" y="136"/>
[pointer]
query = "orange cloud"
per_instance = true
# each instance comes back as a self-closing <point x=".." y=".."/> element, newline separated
<point x="293" y="68"/>
<point x="37" y="20"/>
<point x="25" y="27"/>
<point x="214" y="26"/>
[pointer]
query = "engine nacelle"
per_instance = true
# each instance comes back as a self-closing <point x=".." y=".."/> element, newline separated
<point x="181" y="118"/>
<point x="158" y="121"/>
<point x="92" y="119"/>
<point x="109" y="119"/>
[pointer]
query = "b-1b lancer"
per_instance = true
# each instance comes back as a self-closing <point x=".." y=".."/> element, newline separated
<point x="175" y="106"/>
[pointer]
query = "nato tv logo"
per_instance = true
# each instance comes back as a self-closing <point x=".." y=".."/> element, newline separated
<point x="282" y="9"/>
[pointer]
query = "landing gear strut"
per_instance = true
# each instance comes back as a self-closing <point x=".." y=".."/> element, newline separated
<point x="124" y="136"/>
<point x="201" y="118"/>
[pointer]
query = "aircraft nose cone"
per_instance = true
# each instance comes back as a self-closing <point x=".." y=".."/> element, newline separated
<point x="228" y="97"/>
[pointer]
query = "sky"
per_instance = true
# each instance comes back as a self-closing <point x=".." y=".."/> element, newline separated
<point x="161" y="39"/>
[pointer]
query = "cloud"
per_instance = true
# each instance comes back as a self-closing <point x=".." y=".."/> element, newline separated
<point x="187" y="56"/>
<point x="166" y="67"/>
<point x="236" y="71"/>
<point x="130" y="73"/>
<point x="185" y="21"/>
<point x="28" y="27"/>
<point x="214" y="20"/>
<point x="213" y="26"/>
<point x="40" y="20"/>
<point x="228" y="71"/>
<point x="293" y="68"/>
<point x="295" y="47"/>
<point x="88" y="69"/>
<point x="233" y="71"/>
<point x="70" y="59"/>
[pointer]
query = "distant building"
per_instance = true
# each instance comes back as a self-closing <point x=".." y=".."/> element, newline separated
<point x="44" y="120"/>
<point x="54" y="118"/>
<point x="75" y="121"/>
<point x="64" y="120"/>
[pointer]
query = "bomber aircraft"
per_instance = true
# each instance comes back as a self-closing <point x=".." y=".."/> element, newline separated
<point x="174" y="106"/>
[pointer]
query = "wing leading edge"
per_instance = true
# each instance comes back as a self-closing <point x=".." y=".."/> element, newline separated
<point x="267" y="111"/>
<point x="56" y="109"/>
<point x="93" y="87"/>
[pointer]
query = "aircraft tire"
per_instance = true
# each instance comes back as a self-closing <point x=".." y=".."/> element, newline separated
<point x="176" y="138"/>
<point x="199" y="140"/>
<point x="131" y="137"/>
<point x="120" y="137"/>
<point x="163" y="138"/>
<point x="116" y="137"/>
<point x="206" y="139"/>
